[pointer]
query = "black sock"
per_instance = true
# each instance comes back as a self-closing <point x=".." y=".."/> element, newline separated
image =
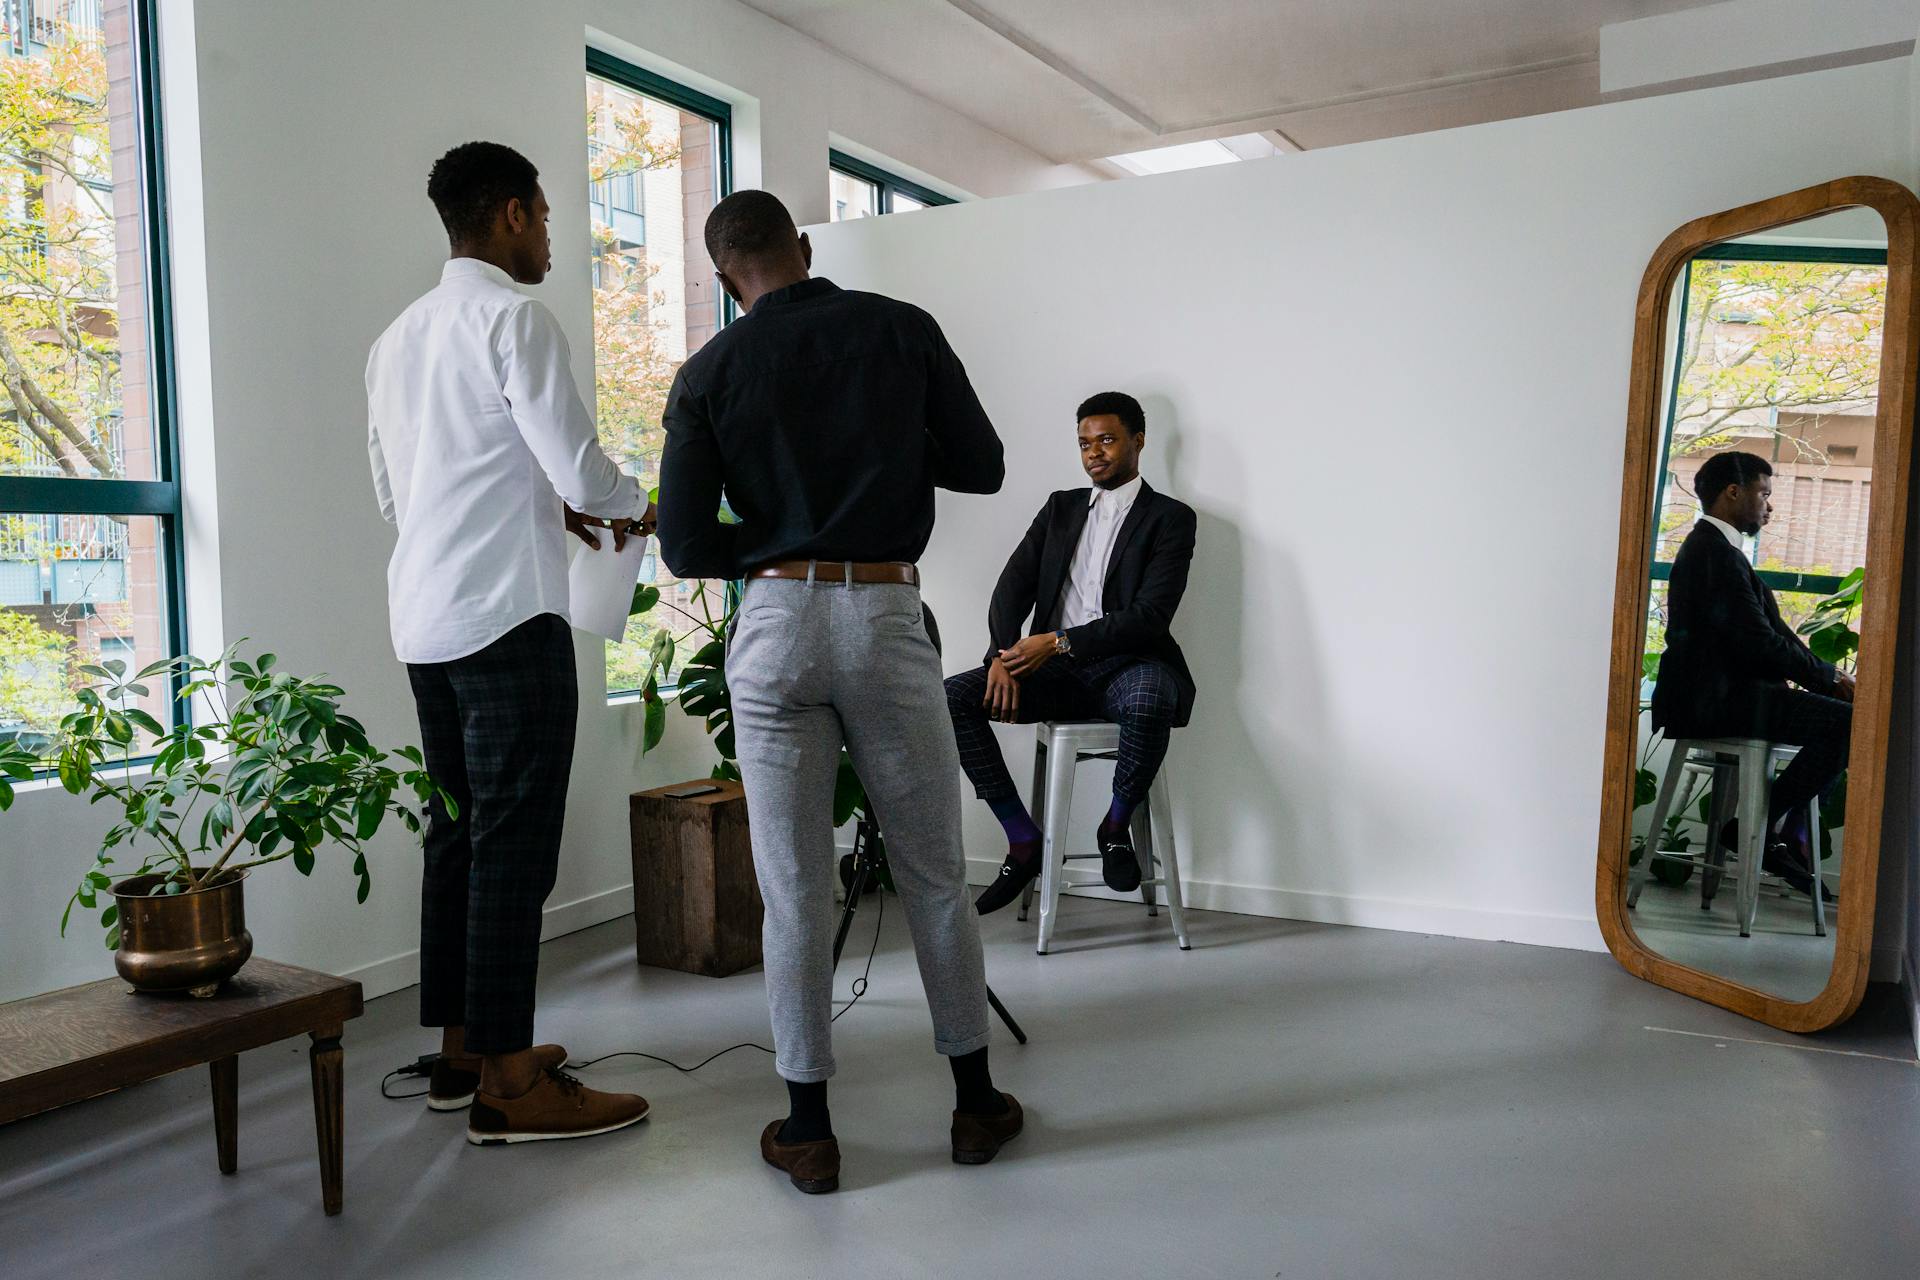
<point x="973" y="1091"/>
<point x="807" y="1119"/>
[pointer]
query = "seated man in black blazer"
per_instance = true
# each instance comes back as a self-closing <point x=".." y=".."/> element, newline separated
<point x="1100" y="573"/>
<point x="1730" y="657"/>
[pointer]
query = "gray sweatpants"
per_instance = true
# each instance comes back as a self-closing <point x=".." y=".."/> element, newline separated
<point x="812" y="666"/>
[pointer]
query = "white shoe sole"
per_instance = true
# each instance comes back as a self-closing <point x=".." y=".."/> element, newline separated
<point x="505" y="1139"/>
<point x="449" y="1104"/>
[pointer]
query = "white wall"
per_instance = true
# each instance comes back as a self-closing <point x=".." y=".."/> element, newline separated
<point x="1402" y="665"/>
<point x="303" y="224"/>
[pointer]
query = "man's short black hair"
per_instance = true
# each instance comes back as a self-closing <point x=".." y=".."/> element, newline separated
<point x="1119" y="404"/>
<point x="748" y="225"/>
<point x="1723" y="469"/>
<point x="471" y="183"/>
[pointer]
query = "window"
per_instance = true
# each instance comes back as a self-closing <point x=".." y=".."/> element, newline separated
<point x="860" y="190"/>
<point x="1777" y="353"/>
<point x="89" y="492"/>
<point x="657" y="163"/>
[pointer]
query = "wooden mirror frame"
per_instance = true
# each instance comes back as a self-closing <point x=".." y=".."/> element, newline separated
<point x="1879" y="623"/>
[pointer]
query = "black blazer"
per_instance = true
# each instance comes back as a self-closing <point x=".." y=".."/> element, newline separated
<point x="1726" y="640"/>
<point x="1145" y="579"/>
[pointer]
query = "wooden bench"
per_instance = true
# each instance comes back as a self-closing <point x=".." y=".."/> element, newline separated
<point x="70" y="1045"/>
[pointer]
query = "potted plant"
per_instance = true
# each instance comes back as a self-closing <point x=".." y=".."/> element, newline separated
<point x="271" y="771"/>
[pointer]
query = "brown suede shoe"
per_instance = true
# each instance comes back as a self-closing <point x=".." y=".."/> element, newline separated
<point x="558" y="1106"/>
<point x="978" y="1139"/>
<point x="450" y="1087"/>
<point x="814" y="1167"/>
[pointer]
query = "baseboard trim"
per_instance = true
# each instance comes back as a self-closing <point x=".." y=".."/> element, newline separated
<point x="1913" y="993"/>
<point x="1575" y="933"/>
<point x="397" y="973"/>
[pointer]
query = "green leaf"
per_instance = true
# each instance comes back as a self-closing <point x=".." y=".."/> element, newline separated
<point x="644" y="599"/>
<point x="369" y="810"/>
<point x="303" y="860"/>
<point x="848" y="794"/>
<point x="113" y="938"/>
<point x="655" y="726"/>
<point x="110" y="915"/>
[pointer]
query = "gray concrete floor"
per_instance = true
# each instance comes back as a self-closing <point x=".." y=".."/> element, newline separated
<point x="1782" y="956"/>
<point x="1286" y="1100"/>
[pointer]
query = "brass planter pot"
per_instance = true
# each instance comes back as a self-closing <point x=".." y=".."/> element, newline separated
<point x="191" y="941"/>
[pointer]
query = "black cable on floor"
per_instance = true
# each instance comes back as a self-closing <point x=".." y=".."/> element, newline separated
<point x="423" y="1065"/>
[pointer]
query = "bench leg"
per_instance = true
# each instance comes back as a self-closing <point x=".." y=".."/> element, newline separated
<point x="226" y="1111"/>
<point x="328" y="1118"/>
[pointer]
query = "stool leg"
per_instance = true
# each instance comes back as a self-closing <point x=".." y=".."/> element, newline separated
<point x="1037" y="807"/>
<point x="1053" y="851"/>
<point x="1169" y="858"/>
<point x="1753" y="832"/>
<point x="1676" y="765"/>
<point x="1142" y="825"/>
<point x="1818" y="887"/>
<point x="1722" y="797"/>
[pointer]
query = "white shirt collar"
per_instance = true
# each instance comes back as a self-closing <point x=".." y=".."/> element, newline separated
<point x="1123" y="494"/>
<point x="458" y="268"/>
<point x="1738" y="539"/>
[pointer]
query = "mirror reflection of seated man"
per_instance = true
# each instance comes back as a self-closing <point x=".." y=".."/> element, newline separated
<point x="1100" y="572"/>
<point x="1732" y="663"/>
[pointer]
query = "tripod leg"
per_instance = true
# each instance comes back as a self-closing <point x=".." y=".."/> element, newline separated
<point x="1006" y="1017"/>
<point x="862" y="871"/>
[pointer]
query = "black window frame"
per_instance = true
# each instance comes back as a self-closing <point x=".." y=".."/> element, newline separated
<point x="617" y="70"/>
<point x="159" y="498"/>
<point x="1790" y="580"/>
<point x="888" y="183"/>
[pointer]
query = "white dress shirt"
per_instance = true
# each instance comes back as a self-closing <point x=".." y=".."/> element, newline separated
<point x="1738" y="539"/>
<point x="477" y="434"/>
<point x="1087" y="577"/>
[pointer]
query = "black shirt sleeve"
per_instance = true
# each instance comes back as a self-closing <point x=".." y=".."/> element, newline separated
<point x="965" y="450"/>
<point x="693" y="542"/>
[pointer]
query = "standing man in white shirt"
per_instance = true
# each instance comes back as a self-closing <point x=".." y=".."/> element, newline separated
<point x="1100" y="574"/>
<point x="485" y="458"/>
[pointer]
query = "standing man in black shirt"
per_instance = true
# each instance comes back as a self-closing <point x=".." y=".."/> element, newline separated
<point x="828" y="418"/>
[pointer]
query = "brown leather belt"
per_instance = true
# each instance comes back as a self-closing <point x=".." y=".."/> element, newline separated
<point x="889" y="572"/>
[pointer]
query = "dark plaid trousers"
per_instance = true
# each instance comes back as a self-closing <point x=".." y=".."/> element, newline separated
<point x="497" y="730"/>
<point x="1138" y="695"/>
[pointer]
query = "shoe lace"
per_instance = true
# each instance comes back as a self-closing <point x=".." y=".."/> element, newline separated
<point x="568" y="1084"/>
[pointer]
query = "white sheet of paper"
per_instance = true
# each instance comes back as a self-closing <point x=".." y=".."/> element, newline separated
<point x="600" y="584"/>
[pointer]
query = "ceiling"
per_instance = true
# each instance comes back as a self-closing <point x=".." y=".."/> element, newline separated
<point x="1079" y="80"/>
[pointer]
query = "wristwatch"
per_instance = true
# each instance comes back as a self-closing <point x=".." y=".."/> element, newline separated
<point x="1062" y="645"/>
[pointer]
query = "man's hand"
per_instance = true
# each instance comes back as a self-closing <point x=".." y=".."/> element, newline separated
<point x="1003" y="694"/>
<point x="578" y="524"/>
<point x="1843" y="686"/>
<point x="650" y="521"/>
<point x="1028" y="656"/>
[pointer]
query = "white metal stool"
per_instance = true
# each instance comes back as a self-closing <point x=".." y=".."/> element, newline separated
<point x="1058" y="749"/>
<point x="1752" y="761"/>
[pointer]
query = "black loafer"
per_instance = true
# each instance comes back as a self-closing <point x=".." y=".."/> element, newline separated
<point x="1013" y="877"/>
<point x="1119" y="864"/>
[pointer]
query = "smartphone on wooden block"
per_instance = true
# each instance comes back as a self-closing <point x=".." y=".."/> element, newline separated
<point x="697" y="789"/>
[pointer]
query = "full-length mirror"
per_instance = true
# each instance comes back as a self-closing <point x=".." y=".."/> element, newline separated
<point x="1753" y="643"/>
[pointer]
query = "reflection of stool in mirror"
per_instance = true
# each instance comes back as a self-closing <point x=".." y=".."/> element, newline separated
<point x="1058" y="749"/>
<point x="1742" y="770"/>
